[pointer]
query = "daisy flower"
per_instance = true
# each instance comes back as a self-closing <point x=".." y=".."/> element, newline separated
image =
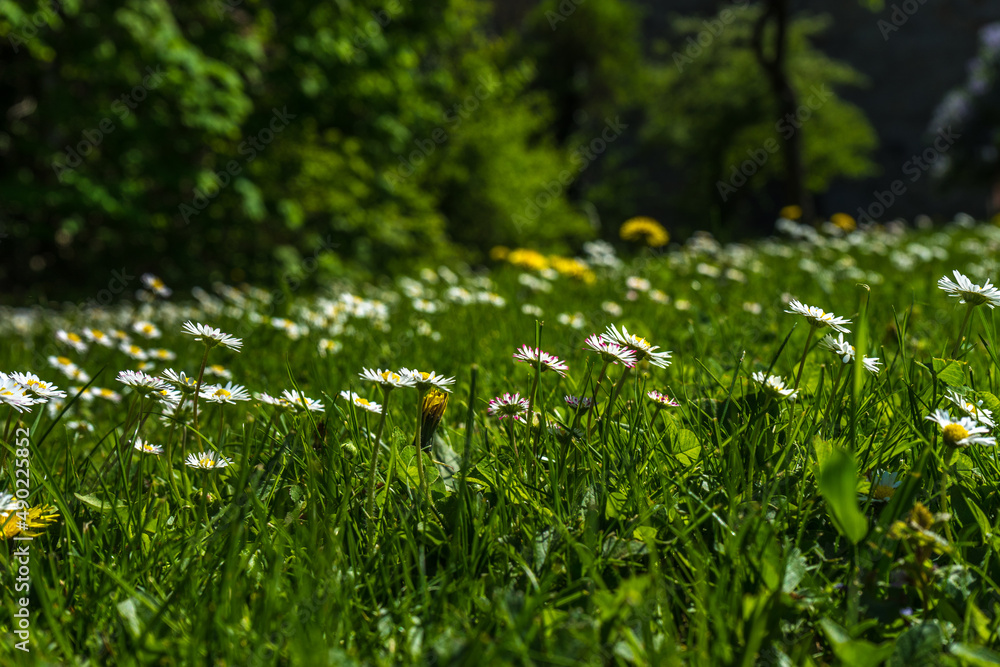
<point x="579" y="403"/>
<point x="231" y="393"/>
<point x="161" y="354"/>
<point x="611" y="352"/>
<point x="774" y="386"/>
<point x="13" y="395"/>
<point x="386" y="379"/>
<point x="548" y="361"/>
<point x="302" y="403"/>
<point x="327" y="346"/>
<point x="275" y="401"/>
<point x="508" y="405"/>
<point x="142" y="383"/>
<point x="974" y="410"/>
<point x="970" y="293"/>
<point x="133" y="351"/>
<point x="37" y="387"/>
<point x="207" y="461"/>
<point x="182" y="381"/>
<point x="71" y="339"/>
<point x="145" y="329"/>
<point x="883" y="487"/>
<point x="212" y="336"/>
<point x="168" y="396"/>
<point x="106" y="394"/>
<point x="99" y="337"/>
<point x="961" y="433"/>
<point x="146" y="448"/>
<point x="64" y="365"/>
<point x="818" y="317"/>
<point x="218" y="371"/>
<point x="642" y="348"/>
<point x="424" y="381"/>
<point x="362" y="403"/>
<point x="846" y="351"/>
<point x="661" y="399"/>
<point x="155" y="285"/>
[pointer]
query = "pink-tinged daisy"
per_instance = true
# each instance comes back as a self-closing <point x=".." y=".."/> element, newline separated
<point x="231" y="393"/>
<point x="37" y="387"/>
<point x="147" y="448"/>
<point x="962" y="432"/>
<point x="71" y="339"/>
<point x="207" y="461"/>
<point x="661" y="399"/>
<point x="145" y="329"/>
<point x="142" y="383"/>
<point x="643" y="349"/>
<point x="818" y="317"/>
<point x="387" y="379"/>
<point x="99" y="337"/>
<point x="549" y="362"/>
<point x="155" y="285"/>
<point x="970" y="293"/>
<point x="509" y="405"/>
<point x="362" y="403"/>
<point x="579" y="403"/>
<point x="425" y="381"/>
<point x="611" y="352"/>
<point x="13" y="395"/>
<point x="211" y="336"/>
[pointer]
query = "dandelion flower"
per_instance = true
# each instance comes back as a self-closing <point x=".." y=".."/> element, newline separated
<point x="508" y="405"/>
<point x="18" y="519"/>
<point x="970" y="293"/>
<point x="774" y="386"/>
<point x="818" y="317"/>
<point x="360" y="402"/>
<point x="548" y="362"/>
<point x="431" y="411"/>
<point x="207" y="461"/>
<point x="645" y="230"/>
<point x="212" y="336"/>
<point x="961" y="433"/>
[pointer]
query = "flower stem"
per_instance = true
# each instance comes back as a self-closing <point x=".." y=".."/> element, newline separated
<point x="961" y="330"/>
<point x="593" y="406"/>
<point x="370" y="503"/>
<point x="948" y="456"/>
<point x="197" y="389"/>
<point x="424" y="490"/>
<point x="802" y="363"/>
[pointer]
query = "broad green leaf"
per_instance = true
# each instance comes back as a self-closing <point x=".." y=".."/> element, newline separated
<point x="854" y="652"/>
<point x="686" y="447"/>
<point x="950" y="372"/>
<point x="974" y="655"/>
<point x="98" y="504"/>
<point x="838" y="482"/>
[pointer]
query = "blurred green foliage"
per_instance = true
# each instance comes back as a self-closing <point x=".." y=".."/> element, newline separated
<point x="242" y="139"/>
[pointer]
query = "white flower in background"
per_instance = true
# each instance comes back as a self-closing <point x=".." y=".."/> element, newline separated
<point x="385" y="378"/>
<point x="142" y="383"/>
<point x="147" y="448"/>
<point x="155" y="285"/>
<point x="612" y="308"/>
<point x="106" y="394"/>
<point x="161" y="354"/>
<point x="218" y="371"/>
<point x="145" y="329"/>
<point x="970" y="293"/>
<point x="71" y="339"/>
<point x="37" y="387"/>
<point x="637" y="283"/>
<point x="134" y="351"/>
<point x="212" y="336"/>
<point x="846" y="352"/>
<point x="818" y="317"/>
<point x="301" y="403"/>
<point x="974" y="410"/>
<point x="207" y="461"/>
<point x="774" y="386"/>
<point x="575" y="320"/>
<point x="424" y="381"/>
<point x="360" y="402"/>
<point x="532" y="310"/>
<point x="327" y="346"/>
<point x="643" y="349"/>
<point x="99" y="337"/>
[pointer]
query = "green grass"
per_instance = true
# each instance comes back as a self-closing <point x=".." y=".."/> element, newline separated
<point x="725" y="531"/>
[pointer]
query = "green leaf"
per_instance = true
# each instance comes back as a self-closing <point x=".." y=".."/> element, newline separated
<point x="686" y="447"/>
<point x="950" y="372"/>
<point x="854" y="652"/>
<point x="98" y="504"/>
<point x="838" y="481"/>
<point x="918" y="645"/>
<point x="974" y="655"/>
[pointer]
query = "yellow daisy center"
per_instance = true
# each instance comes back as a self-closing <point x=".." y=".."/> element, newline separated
<point x="73" y="337"/>
<point x="883" y="492"/>
<point x="223" y="393"/>
<point x="206" y="463"/>
<point x="65" y="361"/>
<point x="362" y="401"/>
<point x="954" y="433"/>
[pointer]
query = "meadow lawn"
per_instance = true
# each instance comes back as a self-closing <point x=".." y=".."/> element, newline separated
<point x="790" y="494"/>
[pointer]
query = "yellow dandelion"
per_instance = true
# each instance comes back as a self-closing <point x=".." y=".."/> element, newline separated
<point x="431" y="411"/>
<point x="646" y="230"/>
<point x="844" y="221"/>
<point x="26" y="523"/>
<point x="528" y="259"/>
<point x="791" y="212"/>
